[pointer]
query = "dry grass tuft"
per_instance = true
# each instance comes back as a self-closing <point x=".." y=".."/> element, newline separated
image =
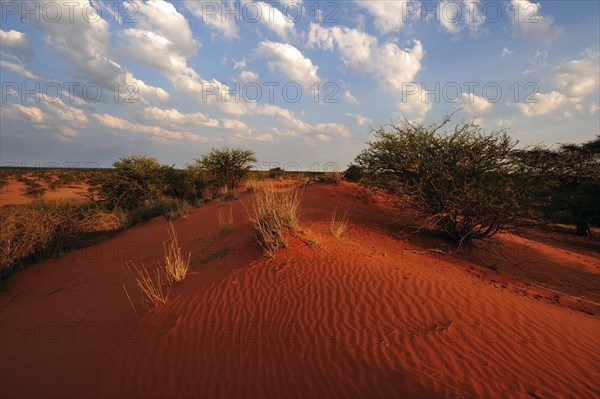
<point x="176" y="266"/>
<point x="153" y="287"/>
<point x="273" y="213"/>
<point x="339" y="224"/>
<point x="254" y="186"/>
<point x="225" y="222"/>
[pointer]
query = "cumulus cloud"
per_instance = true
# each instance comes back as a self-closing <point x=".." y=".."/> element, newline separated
<point x="276" y="21"/>
<point x="361" y="120"/>
<point x="289" y="61"/>
<point x="415" y="104"/>
<point x="505" y="52"/>
<point x="573" y="81"/>
<point x="390" y="16"/>
<point x="578" y="78"/>
<point x="529" y="24"/>
<point x="17" y="43"/>
<point x="389" y="64"/>
<point x="543" y="104"/>
<point x="474" y="106"/>
<point x="248" y="76"/>
<point x="86" y="47"/>
<point x="212" y="13"/>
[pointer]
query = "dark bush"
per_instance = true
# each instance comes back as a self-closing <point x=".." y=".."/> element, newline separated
<point x="353" y="174"/>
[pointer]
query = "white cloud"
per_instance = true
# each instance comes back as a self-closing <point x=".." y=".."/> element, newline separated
<point x="156" y="132"/>
<point x="16" y="42"/>
<point x="474" y="105"/>
<point x="578" y="78"/>
<point x="248" y="76"/>
<point x="33" y="115"/>
<point x="594" y="108"/>
<point x="389" y="64"/>
<point x="350" y="98"/>
<point x="289" y="61"/>
<point x="160" y="30"/>
<point x="173" y="116"/>
<point x="276" y="21"/>
<point x="505" y="52"/>
<point x="87" y="48"/>
<point x="239" y="64"/>
<point x="20" y="69"/>
<point x="213" y="14"/>
<point x="530" y="25"/>
<point x="390" y="16"/>
<point x="64" y="113"/>
<point x="450" y="15"/>
<point x="545" y="104"/>
<point x="360" y="119"/>
<point x="415" y="106"/>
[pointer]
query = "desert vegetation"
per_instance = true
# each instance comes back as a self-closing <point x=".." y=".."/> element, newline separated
<point x="155" y="284"/>
<point x="273" y="213"/>
<point x="226" y="167"/>
<point x="43" y="229"/>
<point x="471" y="184"/>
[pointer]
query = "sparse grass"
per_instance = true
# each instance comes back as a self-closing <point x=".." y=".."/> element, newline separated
<point x="254" y="186"/>
<point x="154" y="288"/>
<point x="273" y="213"/>
<point x="219" y="254"/>
<point x="181" y="210"/>
<point x="176" y="266"/>
<point x="339" y="224"/>
<point x="332" y="177"/>
<point x="225" y="222"/>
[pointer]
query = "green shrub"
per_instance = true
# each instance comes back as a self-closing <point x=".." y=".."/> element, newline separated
<point x="134" y="182"/>
<point x="565" y="182"/>
<point x="460" y="180"/>
<point x="226" y="167"/>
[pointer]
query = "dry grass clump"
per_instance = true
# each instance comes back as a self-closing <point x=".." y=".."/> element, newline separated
<point x="225" y="222"/>
<point x="254" y="186"/>
<point x="154" y="288"/>
<point x="273" y="213"/>
<point x="339" y="224"/>
<point x="176" y="266"/>
<point x="331" y="177"/>
<point x="40" y="229"/>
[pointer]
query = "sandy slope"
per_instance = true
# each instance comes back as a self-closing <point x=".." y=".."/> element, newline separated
<point x="372" y="314"/>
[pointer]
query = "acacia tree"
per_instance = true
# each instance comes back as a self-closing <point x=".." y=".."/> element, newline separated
<point x="226" y="166"/>
<point x="460" y="180"/>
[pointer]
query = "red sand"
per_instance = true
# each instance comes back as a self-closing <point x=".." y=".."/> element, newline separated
<point x="14" y="192"/>
<point x="371" y="314"/>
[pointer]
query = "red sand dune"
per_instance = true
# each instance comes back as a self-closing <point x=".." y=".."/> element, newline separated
<point x="15" y="192"/>
<point x="371" y="314"/>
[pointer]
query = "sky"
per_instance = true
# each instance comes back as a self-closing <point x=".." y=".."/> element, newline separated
<point x="302" y="83"/>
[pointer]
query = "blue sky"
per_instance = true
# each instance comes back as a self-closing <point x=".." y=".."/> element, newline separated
<point x="84" y="83"/>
